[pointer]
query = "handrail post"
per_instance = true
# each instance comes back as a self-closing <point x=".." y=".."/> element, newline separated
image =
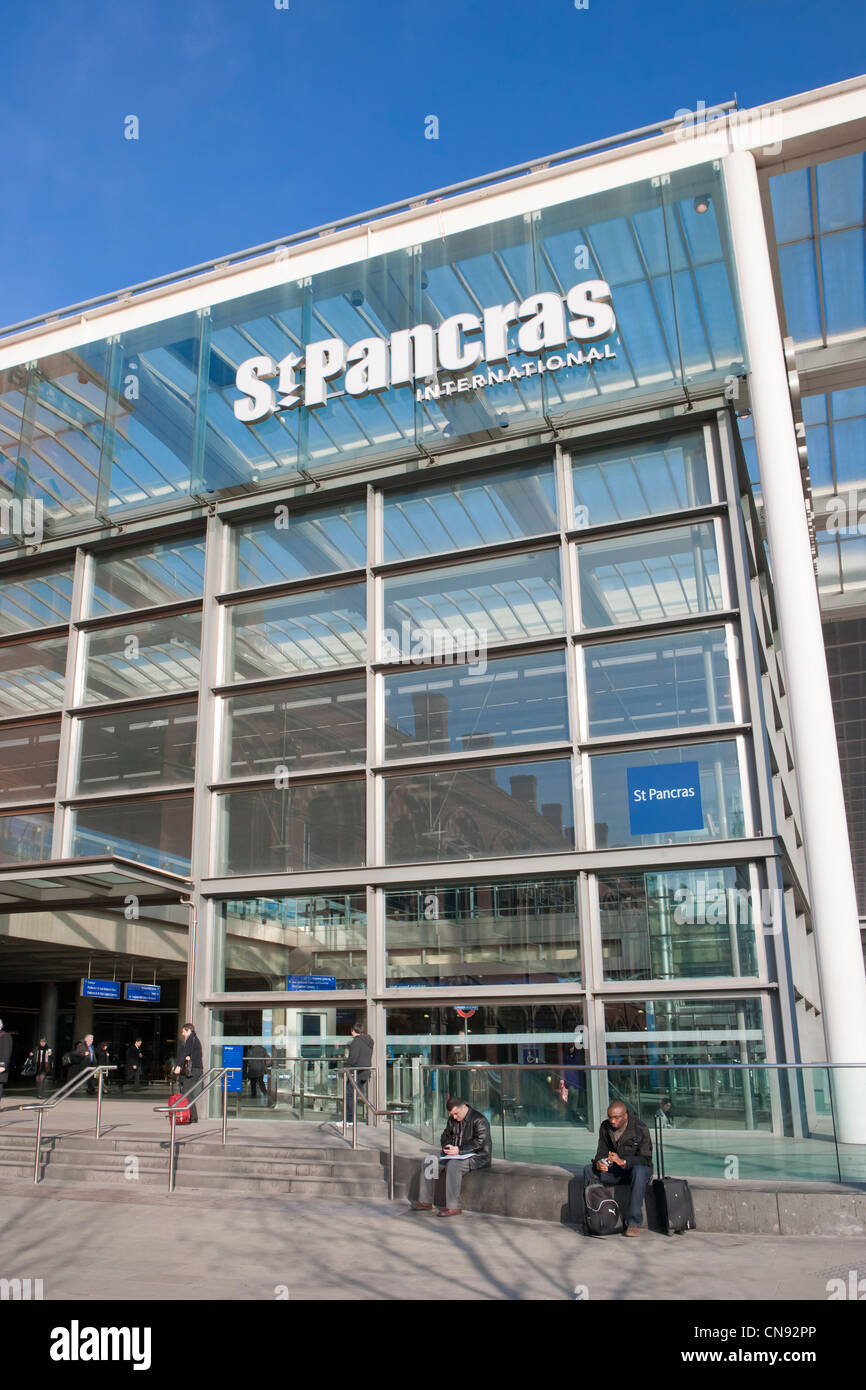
<point x="345" y="1095"/>
<point x="355" y="1098"/>
<point x="391" y="1156"/>
<point x="302" y="1089"/>
<point x="38" y="1145"/>
<point x="99" y="1104"/>
<point x="172" y="1121"/>
<point x="225" y="1102"/>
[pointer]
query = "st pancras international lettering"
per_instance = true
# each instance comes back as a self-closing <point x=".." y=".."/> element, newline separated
<point x="462" y="344"/>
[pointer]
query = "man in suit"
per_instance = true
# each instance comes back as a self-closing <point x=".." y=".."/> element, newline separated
<point x="133" y="1064"/>
<point x="189" y="1065"/>
<point x="359" y="1057"/>
<point x="85" y="1056"/>
<point x="5" y="1058"/>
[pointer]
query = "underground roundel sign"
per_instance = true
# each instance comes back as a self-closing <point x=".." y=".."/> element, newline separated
<point x="468" y="1012"/>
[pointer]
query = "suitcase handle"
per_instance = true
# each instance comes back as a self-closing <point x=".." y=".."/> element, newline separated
<point x="660" y="1146"/>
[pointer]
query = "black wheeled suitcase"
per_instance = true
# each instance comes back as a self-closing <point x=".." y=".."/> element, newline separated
<point x="674" y="1206"/>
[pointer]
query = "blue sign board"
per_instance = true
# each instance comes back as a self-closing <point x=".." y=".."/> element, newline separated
<point x="661" y="799"/>
<point x="100" y="989"/>
<point x="142" y="994"/>
<point x="233" y="1056"/>
<point x="294" y="982"/>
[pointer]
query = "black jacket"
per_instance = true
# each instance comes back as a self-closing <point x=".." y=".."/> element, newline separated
<point x="360" y="1055"/>
<point x="191" y="1049"/>
<point x="471" y="1136"/>
<point x="257" y="1061"/>
<point x="43" y="1059"/>
<point x="5" y="1056"/>
<point x="633" y="1144"/>
<point x="133" y="1056"/>
<point x="81" y="1057"/>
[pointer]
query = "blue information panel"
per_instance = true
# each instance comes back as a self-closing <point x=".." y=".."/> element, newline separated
<point x="100" y="989"/>
<point x="142" y="994"/>
<point x="233" y="1056"/>
<point x="311" y="982"/>
<point x="664" y="798"/>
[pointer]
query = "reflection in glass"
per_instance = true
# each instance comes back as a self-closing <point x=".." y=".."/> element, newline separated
<point x="26" y="836"/>
<point x="148" y="832"/>
<point x="483" y="934"/>
<point x="165" y="572"/>
<point x="474" y="606"/>
<point x="640" y="478"/>
<point x="138" y="659"/>
<point x="28" y="761"/>
<point x="484" y="812"/>
<point x="642" y="579"/>
<point x="311" y="631"/>
<point x="659" y="683"/>
<point x="678" y="924"/>
<point x="288" y="544"/>
<point x="721" y="793"/>
<point x="477" y="510"/>
<point x="32" y="676"/>
<point x="140" y="748"/>
<point x="454" y="709"/>
<point x="314" y="825"/>
<point x="40" y="598"/>
<point x="264" y="940"/>
<point x="301" y="727"/>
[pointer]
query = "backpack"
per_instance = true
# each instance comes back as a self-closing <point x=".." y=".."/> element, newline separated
<point x="601" y="1213"/>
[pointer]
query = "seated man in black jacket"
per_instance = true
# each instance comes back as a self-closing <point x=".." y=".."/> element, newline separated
<point x="465" y="1144"/>
<point x="624" y="1155"/>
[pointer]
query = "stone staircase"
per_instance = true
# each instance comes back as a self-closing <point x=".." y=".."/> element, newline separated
<point x="309" y="1169"/>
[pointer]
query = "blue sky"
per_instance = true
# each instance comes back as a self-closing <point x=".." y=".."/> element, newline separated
<point x="256" y="122"/>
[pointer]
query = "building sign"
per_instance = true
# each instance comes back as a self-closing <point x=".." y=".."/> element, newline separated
<point x="308" y="982"/>
<point x="467" y="1011"/>
<point x="233" y="1056"/>
<point x="664" y="798"/>
<point x="100" y="989"/>
<point x="142" y="994"/>
<point x="461" y="345"/>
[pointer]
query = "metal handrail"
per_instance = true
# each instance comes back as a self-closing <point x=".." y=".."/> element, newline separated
<point x="390" y="1113"/>
<point x="40" y="1106"/>
<point x="222" y="1073"/>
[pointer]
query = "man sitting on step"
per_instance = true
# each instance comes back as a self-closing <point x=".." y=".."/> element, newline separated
<point x="624" y="1155"/>
<point x="465" y="1145"/>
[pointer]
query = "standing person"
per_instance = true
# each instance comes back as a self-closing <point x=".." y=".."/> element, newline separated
<point x="43" y="1059"/>
<point x="189" y="1065"/>
<point x="5" y="1058"/>
<point x="360" y="1055"/>
<point x="103" y="1057"/>
<point x="624" y="1154"/>
<point x="664" y="1114"/>
<point x="85" y="1056"/>
<point x="133" y="1064"/>
<point x="466" y="1144"/>
<point x="257" y="1065"/>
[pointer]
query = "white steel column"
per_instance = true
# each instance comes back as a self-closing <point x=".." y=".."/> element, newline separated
<point x="816" y="755"/>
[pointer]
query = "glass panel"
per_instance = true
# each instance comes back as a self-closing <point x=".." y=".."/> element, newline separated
<point x="59" y="461"/>
<point x="641" y="478"/>
<point x="671" y="1032"/>
<point x="513" y="700"/>
<point x="290" y="544"/>
<point x="310" y="631"/>
<point x="473" y="606"/>
<point x="800" y="291"/>
<point x="262" y="941"/>
<point x="792" y="210"/>
<point x="140" y="659"/>
<point x="32" y="676"/>
<point x="483" y="934"/>
<point x="680" y="924"/>
<point x="713" y="812"/>
<point x="659" y="683"/>
<point x="28" y="761"/>
<point x="39" y="598"/>
<point x="147" y="576"/>
<point x="316" y="825"/>
<point x="484" y="812"/>
<point x="641" y="579"/>
<point x="843" y="271"/>
<point x="302" y="727"/>
<point x="478" y="510"/>
<point x="26" y="836"/>
<point x="158" y="833"/>
<point x="141" y="748"/>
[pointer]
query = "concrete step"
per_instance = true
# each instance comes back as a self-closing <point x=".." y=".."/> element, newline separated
<point x="226" y="1162"/>
<point x="230" y="1183"/>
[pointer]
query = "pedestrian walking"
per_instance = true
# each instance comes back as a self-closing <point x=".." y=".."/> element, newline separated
<point x="189" y="1065"/>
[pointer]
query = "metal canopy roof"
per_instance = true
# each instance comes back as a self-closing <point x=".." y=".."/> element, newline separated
<point x="86" y="882"/>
